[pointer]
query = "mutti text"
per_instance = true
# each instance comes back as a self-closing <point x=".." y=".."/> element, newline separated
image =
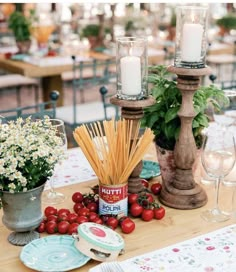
<point x="112" y="191"/>
<point x="113" y="208"/>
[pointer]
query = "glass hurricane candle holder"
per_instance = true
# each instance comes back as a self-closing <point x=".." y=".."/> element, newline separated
<point x="131" y="64"/>
<point x="191" y="40"/>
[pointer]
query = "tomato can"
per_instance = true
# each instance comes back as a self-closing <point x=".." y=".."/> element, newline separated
<point x="99" y="242"/>
<point x="113" y="199"/>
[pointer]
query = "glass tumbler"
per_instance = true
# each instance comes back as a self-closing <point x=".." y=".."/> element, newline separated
<point x="131" y="64"/>
<point x="191" y="40"/>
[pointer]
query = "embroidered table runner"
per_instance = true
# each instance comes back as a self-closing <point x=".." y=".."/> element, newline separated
<point x="75" y="169"/>
<point x="211" y="252"/>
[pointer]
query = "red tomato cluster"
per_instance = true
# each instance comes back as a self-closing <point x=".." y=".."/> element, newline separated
<point x="85" y="209"/>
<point x="155" y="188"/>
<point x="62" y="221"/>
<point x="143" y="205"/>
<point x="51" y="53"/>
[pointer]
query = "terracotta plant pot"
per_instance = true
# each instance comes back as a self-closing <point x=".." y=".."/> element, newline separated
<point x="167" y="164"/>
<point x="23" y="46"/>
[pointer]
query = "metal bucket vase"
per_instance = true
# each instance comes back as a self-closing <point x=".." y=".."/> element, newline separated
<point x="22" y="213"/>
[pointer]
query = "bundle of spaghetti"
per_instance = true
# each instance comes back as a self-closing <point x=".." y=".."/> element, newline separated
<point x="113" y="148"/>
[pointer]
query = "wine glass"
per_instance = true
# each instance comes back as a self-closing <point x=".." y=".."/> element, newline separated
<point x="218" y="159"/>
<point x="225" y="116"/>
<point x="54" y="197"/>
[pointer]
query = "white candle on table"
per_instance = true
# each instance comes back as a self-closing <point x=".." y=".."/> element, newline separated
<point x="191" y="42"/>
<point x="131" y="75"/>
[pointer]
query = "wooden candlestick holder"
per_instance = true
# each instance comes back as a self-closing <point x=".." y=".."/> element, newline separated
<point x="133" y="110"/>
<point x="183" y="192"/>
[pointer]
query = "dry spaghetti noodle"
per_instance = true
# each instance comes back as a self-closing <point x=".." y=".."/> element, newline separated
<point x="113" y="149"/>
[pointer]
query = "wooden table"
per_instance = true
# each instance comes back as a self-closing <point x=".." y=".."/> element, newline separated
<point x="220" y="48"/>
<point x="222" y="60"/>
<point x="176" y="226"/>
<point x="50" y="75"/>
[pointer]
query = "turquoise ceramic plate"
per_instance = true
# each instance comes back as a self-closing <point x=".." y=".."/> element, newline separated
<point x="150" y="169"/>
<point x="53" y="253"/>
<point x="20" y="57"/>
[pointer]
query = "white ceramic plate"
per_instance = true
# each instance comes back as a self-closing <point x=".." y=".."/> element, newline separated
<point x="53" y="253"/>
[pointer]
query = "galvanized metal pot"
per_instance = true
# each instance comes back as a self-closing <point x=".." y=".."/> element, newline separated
<point x="22" y="213"/>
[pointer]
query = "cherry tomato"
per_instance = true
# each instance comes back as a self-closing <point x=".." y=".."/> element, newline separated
<point x="145" y="183"/>
<point x="92" y="216"/>
<point x="145" y="199"/>
<point x="122" y="219"/>
<point x="132" y="198"/>
<point x="147" y="214"/>
<point x="63" y="227"/>
<point x="83" y="211"/>
<point x="127" y="225"/>
<point x="63" y="211"/>
<point x="156" y="188"/>
<point x="77" y="207"/>
<point x="50" y="210"/>
<point x="82" y="219"/>
<point x="93" y="207"/>
<point x="72" y="217"/>
<point x="88" y="198"/>
<point x="112" y="222"/>
<point x="63" y="217"/>
<point x="73" y="228"/>
<point x="136" y="210"/>
<point x="51" y="53"/>
<point x="51" y="227"/>
<point x="159" y="213"/>
<point x="105" y="217"/>
<point x="98" y="221"/>
<point x="149" y="197"/>
<point x="52" y="217"/>
<point x="41" y="227"/>
<point x="77" y="197"/>
<point x="8" y="55"/>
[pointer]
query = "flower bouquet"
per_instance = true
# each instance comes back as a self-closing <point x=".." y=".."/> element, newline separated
<point x="28" y="153"/>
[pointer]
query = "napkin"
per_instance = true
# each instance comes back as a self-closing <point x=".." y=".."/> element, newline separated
<point x="214" y="251"/>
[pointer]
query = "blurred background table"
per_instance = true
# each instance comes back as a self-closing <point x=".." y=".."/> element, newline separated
<point x="50" y="75"/>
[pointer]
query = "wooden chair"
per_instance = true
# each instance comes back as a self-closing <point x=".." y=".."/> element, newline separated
<point x="224" y="64"/>
<point x="87" y="113"/>
<point x="228" y="85"/>
<point x="36" y="111"/>
<point x="106" y="103"/>
<point x="17" y="82"/>
<point x="87" y="74"/>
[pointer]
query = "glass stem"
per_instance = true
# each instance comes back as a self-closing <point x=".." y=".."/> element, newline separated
<point x="234" y="203"/>
<point x="217" y="187"/>
<point x="52" y="184"/>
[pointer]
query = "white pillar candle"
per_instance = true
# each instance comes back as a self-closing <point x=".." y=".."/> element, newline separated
<point x="131" y="75"/>
<point x="191" y="42"/>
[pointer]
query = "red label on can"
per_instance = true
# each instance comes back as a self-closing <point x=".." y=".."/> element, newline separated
<point x="113" y="194"/>
<point x="113" y="199"/>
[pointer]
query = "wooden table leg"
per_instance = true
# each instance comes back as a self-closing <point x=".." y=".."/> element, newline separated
<point x="52" y="83"/>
